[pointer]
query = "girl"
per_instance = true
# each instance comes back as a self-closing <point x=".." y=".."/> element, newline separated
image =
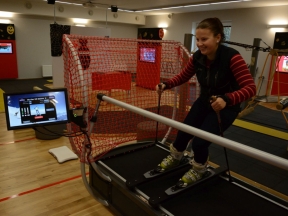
<point x="222" y="73"/>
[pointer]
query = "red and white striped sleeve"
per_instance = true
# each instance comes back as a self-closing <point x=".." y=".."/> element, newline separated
<point x="244" y="80"/>
<point x="183" y="76"/>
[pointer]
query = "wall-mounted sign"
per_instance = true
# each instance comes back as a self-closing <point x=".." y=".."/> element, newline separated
<point x="150" y="33"/>
<point x="7" y="32"/>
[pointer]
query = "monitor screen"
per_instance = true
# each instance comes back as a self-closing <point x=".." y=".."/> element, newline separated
<point x="147" y="54"/>
<point x="282" y="64"/>
<point x="6" y="48"/>
<point x="36" y="108"/>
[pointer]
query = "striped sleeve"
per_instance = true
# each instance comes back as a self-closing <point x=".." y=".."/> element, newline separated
<point x="183" y="76"/>
<point x="244" y="79"/>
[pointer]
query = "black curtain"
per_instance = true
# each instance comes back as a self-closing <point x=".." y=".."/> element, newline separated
<point x="56" y="34"/>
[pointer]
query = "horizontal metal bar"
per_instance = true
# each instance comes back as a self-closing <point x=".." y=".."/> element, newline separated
<point x="241" y="148"/>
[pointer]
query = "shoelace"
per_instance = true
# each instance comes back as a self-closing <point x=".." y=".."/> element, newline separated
<point x="168" y="159"/>
<point x="192" y="175"/>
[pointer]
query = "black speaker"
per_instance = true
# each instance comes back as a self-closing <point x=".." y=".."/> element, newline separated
<point x="51" y="1"/>
<point x="114" y="8"/>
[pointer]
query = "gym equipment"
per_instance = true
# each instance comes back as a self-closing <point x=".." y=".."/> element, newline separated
<point x="178" y="187"/>
<point x="155" y="172"/>
<point x="108" y="143"/>
<point x="154" y="196"/>
<point x="274" y="53"/>
<point x="122" y="57"/>
<point x="283" y="104"/>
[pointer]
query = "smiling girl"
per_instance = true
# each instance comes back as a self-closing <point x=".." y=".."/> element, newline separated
<point x="221" y="72"/>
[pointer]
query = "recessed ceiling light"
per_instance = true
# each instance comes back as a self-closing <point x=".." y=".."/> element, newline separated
<point x="6" y="14"/>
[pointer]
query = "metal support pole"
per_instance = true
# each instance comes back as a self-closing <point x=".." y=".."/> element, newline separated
<point x="188" y="41"/>
<point x="254" y="57"/>
<point x="253" y="64"/>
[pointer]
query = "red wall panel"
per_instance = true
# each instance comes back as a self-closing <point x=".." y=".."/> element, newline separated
<point x="283" y="84"/>
<point x="8" y="61"/>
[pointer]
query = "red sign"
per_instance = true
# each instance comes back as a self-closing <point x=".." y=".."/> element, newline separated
<point x="161" y="33"/>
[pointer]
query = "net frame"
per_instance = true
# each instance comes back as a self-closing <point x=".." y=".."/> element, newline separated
<point x="113" y="66"/>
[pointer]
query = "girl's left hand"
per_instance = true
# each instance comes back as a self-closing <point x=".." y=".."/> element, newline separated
<point x="217" y="103"/>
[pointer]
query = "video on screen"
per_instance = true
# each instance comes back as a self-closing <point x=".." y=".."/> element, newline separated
<point x="147" y="54"/>
<point x="36" y="109"/>
<point x="6" y="48"/>
<point x="282" y="64"/>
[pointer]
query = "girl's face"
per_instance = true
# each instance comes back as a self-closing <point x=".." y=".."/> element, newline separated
<point x="207" y="42"/>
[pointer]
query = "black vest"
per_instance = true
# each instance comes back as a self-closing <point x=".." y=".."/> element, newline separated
<point x="217" y="79"/>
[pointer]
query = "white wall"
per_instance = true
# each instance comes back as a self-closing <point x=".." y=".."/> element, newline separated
<point x="33" y="46"/>
<point x="32" y="30"/>
<point x="247" y="24"/>
<point x="33" y="41"/>
<point x="33" y="34"/>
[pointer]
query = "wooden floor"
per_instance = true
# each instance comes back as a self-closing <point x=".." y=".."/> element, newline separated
<point x="32" y="182"/>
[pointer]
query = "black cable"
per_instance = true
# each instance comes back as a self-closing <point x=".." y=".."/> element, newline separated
<point x="249" y="46"/>
<point x="266" y="44"/>
<point x="58" y="134"/>
<point x="225" y="151"/>
<point x="213" y="98"/>
<point x="66" y="135"/>
<point x="158" y="111"/>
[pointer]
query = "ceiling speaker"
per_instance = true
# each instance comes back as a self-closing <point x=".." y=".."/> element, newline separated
<point x="28" y="5"/>
<point x="114" y="8"/>
<point x="51" y="1"/>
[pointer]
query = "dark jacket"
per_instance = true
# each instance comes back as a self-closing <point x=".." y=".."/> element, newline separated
<point x="217" y="79"/>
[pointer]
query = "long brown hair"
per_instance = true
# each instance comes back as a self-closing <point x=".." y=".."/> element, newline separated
<point x="215" y="25"/>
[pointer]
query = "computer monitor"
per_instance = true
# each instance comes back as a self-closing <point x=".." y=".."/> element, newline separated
<point x="6" y="48"/>
<point x="148" y="54"/>
<point x="282" y="64"/>
<point x="36" y="108"/>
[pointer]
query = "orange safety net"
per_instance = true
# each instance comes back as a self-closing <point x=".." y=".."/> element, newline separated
<point x="127" y="70"/>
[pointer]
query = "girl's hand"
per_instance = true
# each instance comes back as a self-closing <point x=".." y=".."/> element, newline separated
<point x="160" y="88"/>
<point x="217" y="103"/>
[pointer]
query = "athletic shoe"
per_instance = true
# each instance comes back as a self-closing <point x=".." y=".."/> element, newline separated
<point x="194" y="174"/>
<point x="168" y="163"/>
<point x="171" y="160"/>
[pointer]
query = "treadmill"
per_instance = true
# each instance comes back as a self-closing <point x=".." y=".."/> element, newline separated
<point x="122" y="179"/>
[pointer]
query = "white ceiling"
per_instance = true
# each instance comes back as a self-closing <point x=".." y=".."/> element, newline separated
<point x="138" y="5"/>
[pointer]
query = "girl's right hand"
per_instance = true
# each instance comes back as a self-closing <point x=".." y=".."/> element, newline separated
<point x="160" y="88"/>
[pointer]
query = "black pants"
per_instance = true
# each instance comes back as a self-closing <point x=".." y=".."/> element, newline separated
<point x="205" y="118"/>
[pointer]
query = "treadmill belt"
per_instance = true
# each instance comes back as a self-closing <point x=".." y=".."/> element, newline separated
<point x="139" y="162"/>
<point x="220" y="197"/>
<point x="267" y="117"/>
<point x="215" y="196"/>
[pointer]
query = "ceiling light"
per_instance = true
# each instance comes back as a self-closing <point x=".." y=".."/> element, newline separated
<point x="6" y="21"/>
<point x="195" y="5"/>
<point x="80" y="25"/>
<point x="277" y="26"/>
<point x="66" y="3"/>
<point x="220" y="2"/>
<point x="172" y="7"/>
<point x="163" y="25"/>
<point x="5" y="14"/>
<point x="80" y="21"/>
<point x="125" y="10"/>
<point x="115" y="8"/>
